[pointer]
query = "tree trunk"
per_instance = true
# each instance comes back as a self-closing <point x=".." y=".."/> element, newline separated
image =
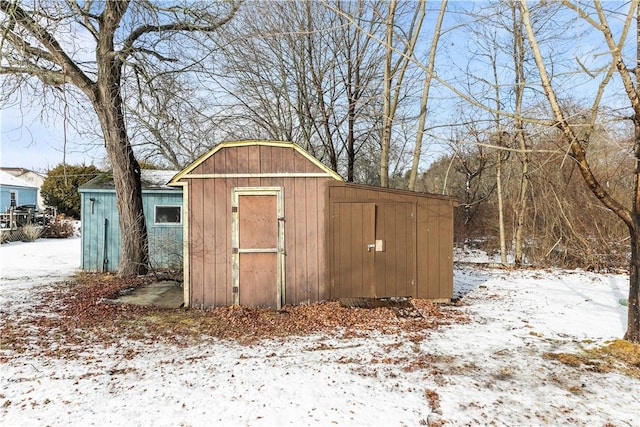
<point x="107" y="102"/>
<point x="520" y="81"/>
<point x="417" y="151"/>
<point x="503" y="239"/>
<point x="134" y="254"/>
<point x="387" y="119"/>
<point x="521" y="208"/>
<point x="633" y="313"/>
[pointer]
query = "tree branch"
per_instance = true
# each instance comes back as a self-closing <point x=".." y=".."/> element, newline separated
<point x="178" y="26"/>
<point x="55" y="52"/>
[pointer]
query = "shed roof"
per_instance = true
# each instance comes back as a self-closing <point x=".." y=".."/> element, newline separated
<point x="151" y="180"/>
<point x="229" y="144"/>
<point x="10" y="181"/>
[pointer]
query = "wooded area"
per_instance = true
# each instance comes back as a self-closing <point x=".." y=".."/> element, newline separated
<point x="528" y="112"/>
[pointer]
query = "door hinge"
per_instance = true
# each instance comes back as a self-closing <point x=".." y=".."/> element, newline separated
<point x="234" y="250"/>
<point x="234" y="209"/>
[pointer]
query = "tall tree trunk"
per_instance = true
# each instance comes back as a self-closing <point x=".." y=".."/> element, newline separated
<point x="387" y="118"/>
<point x="633" y="312"/>
<point x="503" y="239"/>
<point x="107" y="102"/>
<point x="521" y="203"/>
<point x="134" y="258"/>
<point x="431" y="64"/>
<point x="633" y="306"/>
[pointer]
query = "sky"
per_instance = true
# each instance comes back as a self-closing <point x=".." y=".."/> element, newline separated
<point x="28" y="143"/>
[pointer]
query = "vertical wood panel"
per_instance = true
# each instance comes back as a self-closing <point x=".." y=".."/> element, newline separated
<point x="445" y="250"/>
<point x="314" y="249"/>
<point x="432" y="250"/>
<point x="231" y="160"/>
<point x="197" y="244"/>
<point x="219" y="161"/>
<point x="208" y="242"/>
<point x="291" y="246"/>
<point x="299" y="162"/>
<point x="421" y="249"/>
<point x="243" y="159"/>
<point x="301" y="285"/>
<point x="253" y="163"/>
<point x="266" y="154"/>
<point x="221" y="281"/>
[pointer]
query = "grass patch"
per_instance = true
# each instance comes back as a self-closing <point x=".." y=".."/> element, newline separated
<point x="615" y="356"/>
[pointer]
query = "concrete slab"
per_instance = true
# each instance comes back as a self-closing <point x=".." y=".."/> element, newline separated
<point x="166" y="293"/>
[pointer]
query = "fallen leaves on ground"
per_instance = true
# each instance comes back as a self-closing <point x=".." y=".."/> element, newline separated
<point x="72" y="317"/>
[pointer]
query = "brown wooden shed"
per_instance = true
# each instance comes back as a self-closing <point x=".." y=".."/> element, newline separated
<point x="267" y="224"/>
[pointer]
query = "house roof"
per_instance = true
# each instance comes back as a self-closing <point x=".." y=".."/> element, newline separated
<point x="9" y="180"/>
<point x="19" y="171"/>
<point x="151" y="180"/>
<point x="330" y="172"/>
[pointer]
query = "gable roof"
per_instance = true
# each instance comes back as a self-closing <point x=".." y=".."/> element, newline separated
<point x="9" y="180"/>
<point x="230" y="144"/>
<point x="151" y="180"/>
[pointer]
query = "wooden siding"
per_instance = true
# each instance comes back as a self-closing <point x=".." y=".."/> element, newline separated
<point x="209" y="239"/>
<point x="255" y="159"/>
<point x="93" y="231"/>
<point x="165" y="240"/>
<point x="416" y="231"/>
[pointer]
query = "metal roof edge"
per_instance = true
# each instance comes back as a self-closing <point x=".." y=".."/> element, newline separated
<point x="144" y="190"/>
<point x="399" y="191"/>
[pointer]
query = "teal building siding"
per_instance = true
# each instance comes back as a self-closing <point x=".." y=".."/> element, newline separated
<point x="22" y="193"/>
<point x="100" y="229"/>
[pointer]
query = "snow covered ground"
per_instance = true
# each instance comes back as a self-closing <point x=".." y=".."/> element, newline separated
<point x="489" y="371"/>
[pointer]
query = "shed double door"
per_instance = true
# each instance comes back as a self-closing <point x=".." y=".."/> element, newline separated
<point x="374" y="250"/>
<point x="257" y="246"/>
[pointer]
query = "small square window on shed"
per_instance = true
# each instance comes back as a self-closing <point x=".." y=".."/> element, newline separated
<point x="168" y="214"/>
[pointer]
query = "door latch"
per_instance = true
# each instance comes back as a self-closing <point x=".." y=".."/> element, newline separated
<point x="370" y="247"/>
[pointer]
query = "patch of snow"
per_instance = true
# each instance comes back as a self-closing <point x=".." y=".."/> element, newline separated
<point x="487" y="371"/>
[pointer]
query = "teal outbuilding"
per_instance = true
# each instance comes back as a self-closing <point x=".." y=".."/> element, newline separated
<point x="100" y="222"/>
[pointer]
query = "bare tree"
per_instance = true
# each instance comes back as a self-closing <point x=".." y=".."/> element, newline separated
<point x="426" y="87"/>
<point x="37" y="44"/>
<point x="298" y="71"/>
<point x="578" y="141"/>
<point x="172" y="121"/>
<point x="396" y="64"/>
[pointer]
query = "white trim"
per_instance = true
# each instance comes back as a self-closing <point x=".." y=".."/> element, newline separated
<point x="259" y="175"/>
<point x="186" y="273"/>
<point x="236" y="192"/>
<point x="331" y="173"/>
<point x="258" y="251"/>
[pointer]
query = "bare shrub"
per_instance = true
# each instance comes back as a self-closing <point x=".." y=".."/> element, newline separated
<point x="59" y="228"/>
<point x="31" y="232"/>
